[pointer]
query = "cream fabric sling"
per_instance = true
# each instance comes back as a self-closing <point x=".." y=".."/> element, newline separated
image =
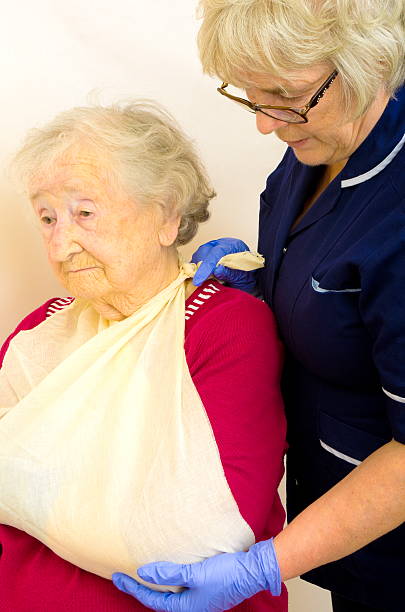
<point x="106" y="452"/>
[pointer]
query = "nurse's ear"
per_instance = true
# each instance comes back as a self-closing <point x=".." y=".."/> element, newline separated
<point x="169" y="229"/>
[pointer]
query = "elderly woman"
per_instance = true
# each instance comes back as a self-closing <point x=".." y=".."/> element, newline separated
<point x="326" y="76"/>
<point x="140" y="418"/>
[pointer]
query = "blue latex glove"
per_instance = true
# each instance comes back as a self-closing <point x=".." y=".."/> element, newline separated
<point x="211" y="252"/>
<point x="216" y="584"/>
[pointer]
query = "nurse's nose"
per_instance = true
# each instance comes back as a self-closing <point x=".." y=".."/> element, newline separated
<point x="266" y="124"/>
<point x="62" y="243"/>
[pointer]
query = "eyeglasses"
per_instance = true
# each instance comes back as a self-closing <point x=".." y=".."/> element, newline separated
<point x="283" y="113"/>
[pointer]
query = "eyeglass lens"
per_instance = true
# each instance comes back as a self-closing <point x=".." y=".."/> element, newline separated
<point x="282" y="115"/>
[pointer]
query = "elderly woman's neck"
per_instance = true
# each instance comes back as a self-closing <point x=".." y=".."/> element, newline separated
<point x="118" y="306"/>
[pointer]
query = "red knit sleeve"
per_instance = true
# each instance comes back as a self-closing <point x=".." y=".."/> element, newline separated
<point x="235" y="357"/>
<point x="35" y="318"/>
<point x="29" y="322"/>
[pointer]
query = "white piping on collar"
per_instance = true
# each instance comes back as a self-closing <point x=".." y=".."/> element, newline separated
<point x="377" y="169"/>
<point x="397" y="398"/>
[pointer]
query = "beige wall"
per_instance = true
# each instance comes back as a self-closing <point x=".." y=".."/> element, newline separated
<point x="57" y="54"/>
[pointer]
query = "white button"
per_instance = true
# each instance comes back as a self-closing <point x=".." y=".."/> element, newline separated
<point x="285" y="250"/>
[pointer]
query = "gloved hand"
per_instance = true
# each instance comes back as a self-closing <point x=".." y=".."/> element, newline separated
<point x="211" y="252"/>
<point x="216" y="584"/>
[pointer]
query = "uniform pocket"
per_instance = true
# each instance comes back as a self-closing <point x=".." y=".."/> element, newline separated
<point x="345" y="442"/>
<point x="316" y="286"/>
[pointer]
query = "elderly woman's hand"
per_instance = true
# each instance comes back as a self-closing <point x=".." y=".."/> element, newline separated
<point x="216" y="584"/>
<point x="211" y="252"/>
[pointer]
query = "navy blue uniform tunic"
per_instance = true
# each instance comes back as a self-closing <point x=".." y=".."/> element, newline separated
<point x="336" y="283"/>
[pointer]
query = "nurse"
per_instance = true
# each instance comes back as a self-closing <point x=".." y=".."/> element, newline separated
<point x="327" y="78"/>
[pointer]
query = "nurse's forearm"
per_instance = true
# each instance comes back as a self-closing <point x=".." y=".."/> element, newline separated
<point x="365" y="505"/>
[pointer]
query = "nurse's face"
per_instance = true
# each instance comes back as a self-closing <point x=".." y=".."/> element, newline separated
<point x="331" y="134"/>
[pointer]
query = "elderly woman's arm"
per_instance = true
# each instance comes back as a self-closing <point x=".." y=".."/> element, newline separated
<point x="234" y="359"/>
<point x="366" y="504"/>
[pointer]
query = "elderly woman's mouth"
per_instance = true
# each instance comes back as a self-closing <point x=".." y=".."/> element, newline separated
<point x="82" y="269"/>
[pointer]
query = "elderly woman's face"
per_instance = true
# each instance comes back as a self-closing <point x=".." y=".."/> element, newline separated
<point x="99" y="242"/>
<point x="330" y="136"/>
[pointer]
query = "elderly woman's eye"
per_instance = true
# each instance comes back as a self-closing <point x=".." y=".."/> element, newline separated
<point x="46" y="220"/>
<point x="85" y="213"/>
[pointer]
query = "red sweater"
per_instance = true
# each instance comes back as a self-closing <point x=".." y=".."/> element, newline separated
<point x="234" y="359"/>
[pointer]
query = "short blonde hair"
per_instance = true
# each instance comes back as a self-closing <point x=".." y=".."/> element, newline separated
<point x="363" y="39"/>
<point x="145" y="152"/>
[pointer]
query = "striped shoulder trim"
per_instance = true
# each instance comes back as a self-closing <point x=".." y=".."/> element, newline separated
<point x="200" y="299"/>
<point x="58" y="304"/>
<point x="192" y="307"/>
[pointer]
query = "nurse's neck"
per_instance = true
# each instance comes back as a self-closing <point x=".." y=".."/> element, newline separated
<point x="332" y="170"/>
<point x="328" y="174"/>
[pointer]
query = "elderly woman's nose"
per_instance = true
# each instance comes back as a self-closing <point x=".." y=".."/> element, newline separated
<point x="266" y="124"/>
<point x="63" y="242"/>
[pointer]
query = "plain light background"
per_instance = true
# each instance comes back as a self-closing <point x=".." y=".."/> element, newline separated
<point x="58" y="54"/>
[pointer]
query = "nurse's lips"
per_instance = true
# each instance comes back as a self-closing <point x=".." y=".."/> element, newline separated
<point x="295" y="144"/>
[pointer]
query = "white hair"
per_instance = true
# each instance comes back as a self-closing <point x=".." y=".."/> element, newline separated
<point x="143" y="150"/>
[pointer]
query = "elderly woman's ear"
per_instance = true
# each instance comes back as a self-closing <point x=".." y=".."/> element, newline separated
<point x="169" y="229"/>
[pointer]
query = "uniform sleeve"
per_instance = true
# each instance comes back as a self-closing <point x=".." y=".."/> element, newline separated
<point x="234" y="358"/>
<point x="382" y="307"/>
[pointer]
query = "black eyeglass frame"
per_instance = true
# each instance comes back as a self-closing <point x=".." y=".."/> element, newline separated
<point x="301" y="112"/>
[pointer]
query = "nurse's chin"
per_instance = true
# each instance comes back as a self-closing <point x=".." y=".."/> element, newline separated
<point x="312" y="156"/>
